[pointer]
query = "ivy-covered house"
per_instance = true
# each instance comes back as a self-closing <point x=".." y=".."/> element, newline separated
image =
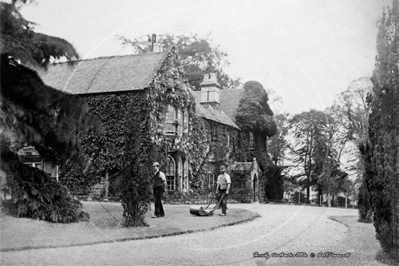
<point x="144" y="100"/>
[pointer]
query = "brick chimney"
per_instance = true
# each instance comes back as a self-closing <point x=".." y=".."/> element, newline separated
<point x="210" y="90"/>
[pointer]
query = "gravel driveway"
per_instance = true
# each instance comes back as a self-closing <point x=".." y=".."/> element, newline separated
<point x="282" y="229"/>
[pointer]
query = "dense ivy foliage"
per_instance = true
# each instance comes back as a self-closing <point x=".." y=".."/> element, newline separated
<point x="135" y="175"/>
<point x="382" y="152"/>
<point x="104" y="148"/>
<point x="254" y="115"/>
<point x="35" y="194"/>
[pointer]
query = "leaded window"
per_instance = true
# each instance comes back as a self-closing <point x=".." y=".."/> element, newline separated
<point x="170" y="174"/>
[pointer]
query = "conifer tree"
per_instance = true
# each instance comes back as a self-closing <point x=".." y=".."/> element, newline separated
<point x="381" y="153"/>
<point x="35" y="114"/>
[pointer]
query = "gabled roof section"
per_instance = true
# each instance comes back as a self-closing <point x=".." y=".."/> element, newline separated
<point x="229" y="101"/>
<point x="210" y="113"/>
<point x="105" y="74"/>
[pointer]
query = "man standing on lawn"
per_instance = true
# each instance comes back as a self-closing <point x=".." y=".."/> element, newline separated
<point x="223" y="186"/>
<point x="159" y="187"/>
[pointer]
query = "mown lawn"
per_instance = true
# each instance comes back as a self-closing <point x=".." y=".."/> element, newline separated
<point x="105" y="225"/>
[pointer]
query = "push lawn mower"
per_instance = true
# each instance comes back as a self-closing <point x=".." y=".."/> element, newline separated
<point x="204" y="212"/>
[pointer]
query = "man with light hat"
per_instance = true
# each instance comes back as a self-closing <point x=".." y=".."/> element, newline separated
<point x="159" y="186"/>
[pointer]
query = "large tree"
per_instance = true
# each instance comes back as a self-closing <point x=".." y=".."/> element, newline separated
<point x="36" y="114"/>
<point x="196" y="54"/>
<point x="352" y="110"/>
<point x="317" y="150"/>
<point x="381" y="153"/>
<point x="254" y="115"/>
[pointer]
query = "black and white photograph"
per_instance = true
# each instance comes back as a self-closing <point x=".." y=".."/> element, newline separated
<point x="203" y="132"/>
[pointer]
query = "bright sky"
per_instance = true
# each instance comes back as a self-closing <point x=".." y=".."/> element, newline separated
<point x="307" y="51"/>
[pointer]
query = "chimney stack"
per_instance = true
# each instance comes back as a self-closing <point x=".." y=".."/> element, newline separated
<point x="210" y="90"/>
<point x="154" y="46"/>
<point x="157" y="48"/>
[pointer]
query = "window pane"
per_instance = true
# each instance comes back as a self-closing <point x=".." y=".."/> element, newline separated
<point x="180" y="121"/>
<point x="170" y="167"/>
<point x="170" y="174"/>
<point x="170" y="182"/>
<point x="251" y="141"/>
<point x="170" y="128"/>
<point x="171" y="114"/>
<point x="185" y="121"/>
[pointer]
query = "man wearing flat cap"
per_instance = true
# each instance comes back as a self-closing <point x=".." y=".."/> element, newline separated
<point x="159" y="186"/>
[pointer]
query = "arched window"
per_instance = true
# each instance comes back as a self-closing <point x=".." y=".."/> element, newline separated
<point x="170" y="174"/>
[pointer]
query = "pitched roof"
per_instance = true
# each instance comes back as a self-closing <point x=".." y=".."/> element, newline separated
<point x="210" y="113"/>
<point x="104" y="74"/>
<point x="229" y="101"/>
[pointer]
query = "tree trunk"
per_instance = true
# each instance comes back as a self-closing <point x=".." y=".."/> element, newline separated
<point x="329" y="199"/>
<point x="346" y="201"/>
<point x="106" y="186"/>
<point x="308" y="191"/>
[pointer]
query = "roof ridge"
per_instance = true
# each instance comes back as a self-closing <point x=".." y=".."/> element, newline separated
<point x="111" y="56"/>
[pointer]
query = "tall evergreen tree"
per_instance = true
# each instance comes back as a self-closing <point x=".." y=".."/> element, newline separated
<point x="381" y="153"/>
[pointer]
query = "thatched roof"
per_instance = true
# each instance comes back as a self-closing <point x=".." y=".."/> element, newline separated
<point x="104" y="74"/>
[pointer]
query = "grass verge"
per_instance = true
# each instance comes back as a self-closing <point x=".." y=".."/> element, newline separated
<point x="105" y="226"/>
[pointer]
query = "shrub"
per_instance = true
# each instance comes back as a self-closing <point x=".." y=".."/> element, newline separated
<point x="242" y="195"/>
<point x="274" y="189"/>
<point x="34" y="194"/>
